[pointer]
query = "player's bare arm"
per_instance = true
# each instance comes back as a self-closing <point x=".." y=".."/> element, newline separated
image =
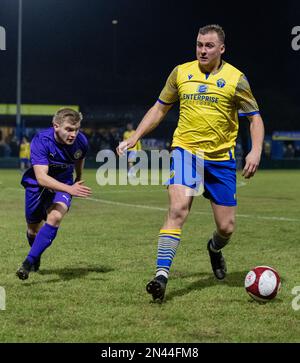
<point x="150" y="121"/>
<point x="44" y="180"/>
<point x="257" y="132"/>
<point x="79" y="164"/>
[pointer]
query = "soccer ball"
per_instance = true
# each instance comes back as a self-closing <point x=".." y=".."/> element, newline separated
<point x="262" y="283"/>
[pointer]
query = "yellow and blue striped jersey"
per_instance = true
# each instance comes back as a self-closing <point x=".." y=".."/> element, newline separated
<point x="209" y="107"/>
<point x="138" y="145"/>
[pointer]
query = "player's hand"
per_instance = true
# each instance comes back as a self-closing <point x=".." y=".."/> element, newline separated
<point x="252" y="162"/>
<point x="80" y="190"/>
<point x="124" y="145"/>
<point x="121" y="149"/>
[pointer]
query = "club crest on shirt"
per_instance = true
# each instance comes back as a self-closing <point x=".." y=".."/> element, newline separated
<point x="190" y="76"/>
<point x="221" y="83"/>
<point x="202" y="88"/>
<point x="78" y="154"/>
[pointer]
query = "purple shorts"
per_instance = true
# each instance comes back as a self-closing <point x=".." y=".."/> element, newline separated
<point x="37" y="201"/>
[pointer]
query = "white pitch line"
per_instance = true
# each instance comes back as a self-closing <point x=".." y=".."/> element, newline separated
<point x="283" y="219"/>
<point x="196" y="212"/>
<point x="129" y="191"/>
<point x="153" y="190"/>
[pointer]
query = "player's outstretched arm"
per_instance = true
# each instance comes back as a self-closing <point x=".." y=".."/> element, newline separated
<point x="257" y="132"/>
<point x="44" y="180"/>
<point x="149" y="122"/>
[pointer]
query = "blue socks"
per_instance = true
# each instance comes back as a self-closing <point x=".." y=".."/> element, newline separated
<point x="42" y="241"/>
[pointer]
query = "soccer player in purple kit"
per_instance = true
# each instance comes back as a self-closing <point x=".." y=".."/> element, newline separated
<point x="49" y="185"/>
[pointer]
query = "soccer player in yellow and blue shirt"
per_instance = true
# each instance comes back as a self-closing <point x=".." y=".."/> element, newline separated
<point x="212" y="93"/>
<point x="24" y="154"/>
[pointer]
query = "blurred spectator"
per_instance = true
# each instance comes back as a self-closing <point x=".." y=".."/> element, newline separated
<point x="5" y="150"/>
<point x="105" y="139"/>
<point x="267" y="149"/>
<point x="13" y="145"/>
<point x="24" y="154"/>
<point x="115" y="138"/>
<point x="289" y="152"/>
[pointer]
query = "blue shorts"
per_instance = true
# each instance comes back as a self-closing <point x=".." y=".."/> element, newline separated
<point x="218" y="178"/>
<point x="38" y="200"/>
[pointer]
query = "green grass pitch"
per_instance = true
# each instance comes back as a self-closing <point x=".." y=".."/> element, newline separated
<point x="91" y="286"/>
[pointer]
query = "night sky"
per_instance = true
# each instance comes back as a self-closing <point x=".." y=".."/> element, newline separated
<point x="72" y="53"/>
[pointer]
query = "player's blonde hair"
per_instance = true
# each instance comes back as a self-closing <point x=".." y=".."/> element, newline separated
<point x="69" y="114"/>
<point x="213" y="28"/>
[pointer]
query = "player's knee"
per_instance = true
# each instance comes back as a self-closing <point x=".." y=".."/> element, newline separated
<point x="226" y="228"/>
<point x="54" y="218"/>
<point x="56" y="214"/>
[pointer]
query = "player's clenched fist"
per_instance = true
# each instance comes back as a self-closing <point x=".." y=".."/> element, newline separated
<point x="124" y="145"/>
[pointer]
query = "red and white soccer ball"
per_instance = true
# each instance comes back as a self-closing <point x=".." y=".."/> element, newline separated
<point x="262" y="283"/>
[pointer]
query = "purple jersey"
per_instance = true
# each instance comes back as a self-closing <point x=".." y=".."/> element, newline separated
<point x="45" y="150"/>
